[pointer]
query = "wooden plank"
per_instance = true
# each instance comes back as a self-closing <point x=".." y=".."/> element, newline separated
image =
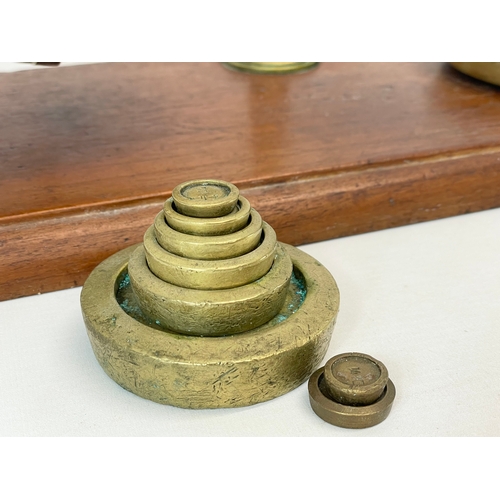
<point x="88" y="154"/>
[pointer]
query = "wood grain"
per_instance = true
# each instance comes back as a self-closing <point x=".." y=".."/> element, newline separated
<point x="88" y="154"/>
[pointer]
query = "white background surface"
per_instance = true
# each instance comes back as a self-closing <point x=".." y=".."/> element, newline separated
<point x="424" y="299"/>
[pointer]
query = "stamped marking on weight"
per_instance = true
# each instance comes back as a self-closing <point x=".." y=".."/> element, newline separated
<point x="205" y="192"/>
<point x="356" y="371"/>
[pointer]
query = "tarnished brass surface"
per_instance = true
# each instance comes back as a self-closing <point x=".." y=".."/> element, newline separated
<point x="211" y="274"/>
<point x="211" y="312"/>
<point x="209" y="332"/>
<point x="205" y="198"/>
<point x="352" y="390"/>
<point x="209" y="226"/>
<point x="486" y="71"/>
<point x="271" y="67"/>
<point x="210" y="372"/>
<point x="222" y="246"/>
<point x="355" y="380"/>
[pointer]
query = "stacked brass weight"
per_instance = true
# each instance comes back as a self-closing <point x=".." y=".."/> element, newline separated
<point x="210" y="311"/>
<point x="212" y="272"/>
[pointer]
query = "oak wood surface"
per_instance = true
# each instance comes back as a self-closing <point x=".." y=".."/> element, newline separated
<point x="89" y="153"/>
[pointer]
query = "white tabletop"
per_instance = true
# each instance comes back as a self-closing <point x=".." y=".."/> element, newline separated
<point x="423" y="299"/>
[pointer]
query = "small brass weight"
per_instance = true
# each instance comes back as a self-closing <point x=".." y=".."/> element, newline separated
<point x="352" y="390"/>
<point x="210" y="311"/>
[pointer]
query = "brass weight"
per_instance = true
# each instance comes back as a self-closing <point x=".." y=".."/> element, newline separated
<point x="206" y="198"/>
<point x="211" y="274"/>
<point x="209" y="330"/>
<point x="221" y="246"/>
<point x="208" y="226"/>
<point x="273" y="68"/>
<point x="211" y="312"/>
<point x="352" y="390"/>
<point x="355" y="379"/>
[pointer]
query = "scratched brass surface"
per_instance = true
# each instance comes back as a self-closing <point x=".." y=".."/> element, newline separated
<point x="211" y="312"/>
<point x="209" y="372"/>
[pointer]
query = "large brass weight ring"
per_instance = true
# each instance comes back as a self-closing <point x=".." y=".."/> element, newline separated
<point x="221" y="329"/>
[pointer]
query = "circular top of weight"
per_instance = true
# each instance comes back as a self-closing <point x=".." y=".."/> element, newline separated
<point x="205" y="198"/>
<point x="355" y="379"/>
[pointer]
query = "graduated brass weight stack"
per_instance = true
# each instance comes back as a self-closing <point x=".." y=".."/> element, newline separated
<point x="210" y="311"/>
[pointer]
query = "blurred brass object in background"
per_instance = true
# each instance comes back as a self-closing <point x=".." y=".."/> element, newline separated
<point x="271" y="67"/>
<point x="173" y="321"/>
<point x="486" y="71"/>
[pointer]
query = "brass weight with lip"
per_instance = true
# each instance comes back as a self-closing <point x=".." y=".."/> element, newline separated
<point x="221" y="246"/>
<point x="352" y="390"/>
<point x="211" y="312"/>
<point x="356" y="380"/>
<point x="161" y="332"/>
<point x="208" y="226"/>
<point x="211" y="274"/>
<point x="205" y="198"/>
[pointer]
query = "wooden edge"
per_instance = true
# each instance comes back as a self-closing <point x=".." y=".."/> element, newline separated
<point x="344" y="204"/>
<point x="55" y="253"/>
